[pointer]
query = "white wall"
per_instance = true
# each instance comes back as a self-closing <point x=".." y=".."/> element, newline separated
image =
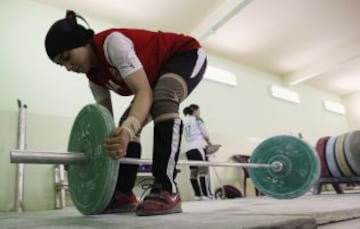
<point x="26" y="71"/>
<point x="248" y="110"/>
<point x="351" y="103"/>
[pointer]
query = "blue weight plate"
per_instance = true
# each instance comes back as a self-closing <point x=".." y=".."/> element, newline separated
<point x="330" y="157"/>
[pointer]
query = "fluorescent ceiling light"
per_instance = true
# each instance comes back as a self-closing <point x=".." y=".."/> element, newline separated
<point x="284" y="94"/>
<point x="220" y="76"/>
<point x="334" y="107"/>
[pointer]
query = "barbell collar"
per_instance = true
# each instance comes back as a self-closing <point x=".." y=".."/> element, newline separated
<point x="36" y="157"/>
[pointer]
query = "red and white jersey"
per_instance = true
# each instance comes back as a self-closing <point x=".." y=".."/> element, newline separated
<point x="121" y="52"/>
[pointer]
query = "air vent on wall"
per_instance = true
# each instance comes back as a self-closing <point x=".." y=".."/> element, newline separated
<point x="284" y="94"/>
<point x="334" y="107"/>
<point x="220" y="76"/>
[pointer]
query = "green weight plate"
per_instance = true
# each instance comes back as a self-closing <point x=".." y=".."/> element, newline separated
<point x="300" y="171"/>
<point x="92" y="185"/>
<point x="340" y="156"/>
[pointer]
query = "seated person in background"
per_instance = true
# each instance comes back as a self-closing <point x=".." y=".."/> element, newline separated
<point x="197" y="138"/>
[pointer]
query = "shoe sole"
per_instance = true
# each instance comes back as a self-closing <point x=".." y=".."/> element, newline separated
<point x="125" y="209"/>
<point x="140" y="212"/>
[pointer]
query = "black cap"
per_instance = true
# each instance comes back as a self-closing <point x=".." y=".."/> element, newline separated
<point x="66" y="34"/>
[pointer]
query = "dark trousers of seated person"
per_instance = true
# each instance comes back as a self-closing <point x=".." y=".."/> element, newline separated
<point x="198" y="174"/>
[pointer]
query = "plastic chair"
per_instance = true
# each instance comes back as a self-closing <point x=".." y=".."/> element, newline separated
<point x="245" y="159"/>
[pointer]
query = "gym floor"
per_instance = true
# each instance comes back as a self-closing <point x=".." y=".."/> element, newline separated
<point x="308" y="211"/>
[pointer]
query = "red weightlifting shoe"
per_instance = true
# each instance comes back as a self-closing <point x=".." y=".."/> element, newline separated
<point x="121" y="203"/>
<point x="159" y="202"/>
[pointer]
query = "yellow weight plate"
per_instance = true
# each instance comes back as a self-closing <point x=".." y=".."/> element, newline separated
<point x="340" y="156"/>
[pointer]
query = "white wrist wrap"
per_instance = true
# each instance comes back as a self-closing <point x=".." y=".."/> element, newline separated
<point x="132" y="125"/>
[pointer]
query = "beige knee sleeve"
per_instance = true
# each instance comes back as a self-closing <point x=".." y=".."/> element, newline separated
<point x="203" y="171"/>
<point x="194" y="173"/>
<point x="169" y="91"/>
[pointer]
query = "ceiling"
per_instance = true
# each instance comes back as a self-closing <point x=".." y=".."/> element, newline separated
<point x="315" y="42"/>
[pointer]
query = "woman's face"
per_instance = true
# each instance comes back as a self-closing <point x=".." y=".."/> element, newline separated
<point x="196" y="112"/>
<point x="76" y="60"/>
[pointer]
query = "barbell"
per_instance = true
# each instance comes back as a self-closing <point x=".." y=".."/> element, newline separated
<point x="281" y="167"/>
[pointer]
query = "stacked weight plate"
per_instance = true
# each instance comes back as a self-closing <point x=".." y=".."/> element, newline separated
<point x="352" y="151"/>
<point x="341" y="160"/>
<point x="320" y="149"/>
<point x="340" y="155"/>
<point x="330" y="157"/>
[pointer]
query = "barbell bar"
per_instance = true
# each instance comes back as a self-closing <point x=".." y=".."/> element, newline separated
<point x="68" y="158"/>
<point x="281" y="166"/>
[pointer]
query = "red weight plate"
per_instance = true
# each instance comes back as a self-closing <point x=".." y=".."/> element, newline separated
<point x="320" y="149"/>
